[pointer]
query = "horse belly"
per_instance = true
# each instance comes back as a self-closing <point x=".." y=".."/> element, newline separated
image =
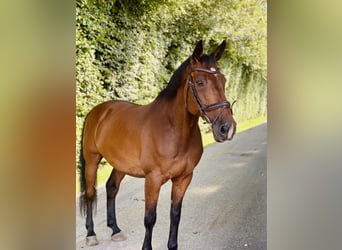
<point x="125" y="157"/>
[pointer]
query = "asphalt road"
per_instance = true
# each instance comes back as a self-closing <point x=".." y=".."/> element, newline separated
<point x="224" y="206"/>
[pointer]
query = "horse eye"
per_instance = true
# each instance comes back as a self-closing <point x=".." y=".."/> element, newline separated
<point x="200" y="83"/>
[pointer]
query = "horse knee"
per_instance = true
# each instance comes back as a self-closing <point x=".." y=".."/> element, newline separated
<point x="150" y="218"/>
<point x="176" y="213"/>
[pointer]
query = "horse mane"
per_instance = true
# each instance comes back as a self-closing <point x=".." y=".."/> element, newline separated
<point x="176" y="79"/>
<point x="170" y="91"/>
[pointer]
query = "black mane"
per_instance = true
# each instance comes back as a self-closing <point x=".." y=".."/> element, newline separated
<point x="171" y="89"/>
<point x="176" y="79"/>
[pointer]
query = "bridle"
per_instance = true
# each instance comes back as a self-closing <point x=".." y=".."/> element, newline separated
<point x="203" y="108"/>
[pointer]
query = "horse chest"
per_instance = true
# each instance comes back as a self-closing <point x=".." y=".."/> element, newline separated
<point x="175" y="154"/>
<point x="179" y="166"/>
<point x="174" y="161"/>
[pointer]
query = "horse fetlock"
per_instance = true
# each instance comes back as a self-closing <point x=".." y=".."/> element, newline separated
<point x="172" y="246"/>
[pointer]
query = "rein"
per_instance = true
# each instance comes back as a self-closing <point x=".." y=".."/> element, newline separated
<point x="203" y="107"/>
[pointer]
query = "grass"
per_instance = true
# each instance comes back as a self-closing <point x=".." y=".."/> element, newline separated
<point x="208" y="139"/>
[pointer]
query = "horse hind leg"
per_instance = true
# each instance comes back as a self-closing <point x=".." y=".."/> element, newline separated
<point x="89" y="196"/>
<point x="112" y="188"/>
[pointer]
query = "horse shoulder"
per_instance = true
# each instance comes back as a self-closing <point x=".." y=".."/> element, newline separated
<point x="195" y="149"/>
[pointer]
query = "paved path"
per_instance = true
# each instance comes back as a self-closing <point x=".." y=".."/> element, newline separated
<point x="224" y="207"/>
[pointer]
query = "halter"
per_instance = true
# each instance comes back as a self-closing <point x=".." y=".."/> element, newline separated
<point x="203" y="107"/>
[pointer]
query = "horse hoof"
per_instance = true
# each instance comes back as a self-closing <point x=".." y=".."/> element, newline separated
<point x="92" y="240"/>
<point x="119" y="237"/>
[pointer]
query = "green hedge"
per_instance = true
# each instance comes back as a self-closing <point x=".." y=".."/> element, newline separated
<point x="129" y="49"/>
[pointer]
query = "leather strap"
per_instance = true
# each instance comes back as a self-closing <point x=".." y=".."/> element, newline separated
<point x="206" y="108"/>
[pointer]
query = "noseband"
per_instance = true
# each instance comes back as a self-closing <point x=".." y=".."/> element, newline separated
<point x="203" y="107"/>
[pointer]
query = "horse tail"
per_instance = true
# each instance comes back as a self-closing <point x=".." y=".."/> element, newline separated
<point x="82" y="180"/>
<point x="81" y="171"/>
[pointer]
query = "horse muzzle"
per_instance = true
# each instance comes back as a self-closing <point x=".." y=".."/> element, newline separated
<point x="224" y="131"/>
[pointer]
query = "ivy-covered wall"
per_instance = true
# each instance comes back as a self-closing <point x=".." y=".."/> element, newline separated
<point x="128" y="49"/>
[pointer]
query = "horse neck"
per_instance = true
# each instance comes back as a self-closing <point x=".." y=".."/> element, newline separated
<point x="187" y="120"/>
<point x="176" y="112"/>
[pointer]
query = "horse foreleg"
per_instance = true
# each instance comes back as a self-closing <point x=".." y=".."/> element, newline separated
<point x="152" y="189"/>
<point x="179" y="186"/>
<point x="112" y="188"/>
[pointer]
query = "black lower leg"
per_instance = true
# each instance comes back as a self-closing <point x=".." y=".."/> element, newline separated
<point x="89" y="219"/>
<point x="112" y="187"/>
<point x="149" y="221"/>
<point x="111" y="217"/>
<point x="175" y="215"/>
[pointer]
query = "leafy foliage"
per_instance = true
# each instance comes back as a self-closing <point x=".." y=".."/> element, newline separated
<point x="129" y="49"/>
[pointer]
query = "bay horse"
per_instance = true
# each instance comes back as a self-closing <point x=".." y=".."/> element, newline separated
<point x="159" y="141"/>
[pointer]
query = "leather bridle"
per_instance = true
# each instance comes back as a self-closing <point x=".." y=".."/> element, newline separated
<point x="203" y="108"/>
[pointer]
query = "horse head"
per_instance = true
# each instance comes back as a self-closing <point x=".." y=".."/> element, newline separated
<point x="207" y="98"/>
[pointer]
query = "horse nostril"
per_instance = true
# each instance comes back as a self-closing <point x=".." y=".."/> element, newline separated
<point x="224" y="129"/>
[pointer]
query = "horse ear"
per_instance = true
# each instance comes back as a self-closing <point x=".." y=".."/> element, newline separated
<point x="198" y="52"/>
<point x="218" y="52"/>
